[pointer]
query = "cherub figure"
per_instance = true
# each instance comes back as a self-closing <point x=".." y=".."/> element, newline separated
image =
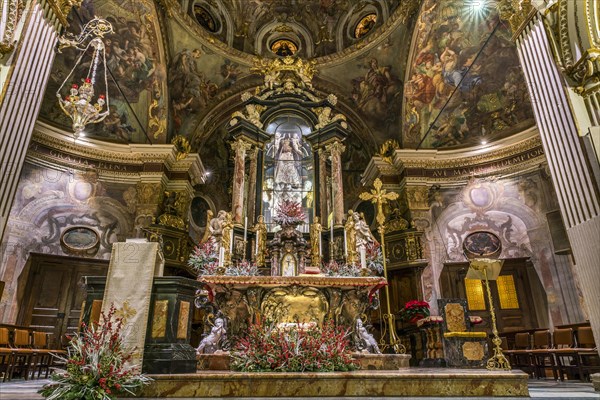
<point x="212" y="342"/>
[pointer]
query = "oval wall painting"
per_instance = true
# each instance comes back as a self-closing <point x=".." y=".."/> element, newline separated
<point x="482" y="244"/>
<point x="80" y="238"/>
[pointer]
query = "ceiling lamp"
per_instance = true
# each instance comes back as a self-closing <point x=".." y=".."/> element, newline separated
<point x="79" y="104"/>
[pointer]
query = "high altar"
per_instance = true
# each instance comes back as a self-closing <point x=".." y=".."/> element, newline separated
<point x="290" y="140"/>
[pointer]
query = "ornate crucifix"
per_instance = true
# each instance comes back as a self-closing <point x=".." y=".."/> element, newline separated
<point x="379" y="197"/>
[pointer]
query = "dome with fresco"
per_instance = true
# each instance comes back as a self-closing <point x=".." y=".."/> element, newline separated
<point x="426" y="74"/>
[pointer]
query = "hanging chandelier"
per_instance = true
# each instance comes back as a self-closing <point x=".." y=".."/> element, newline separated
<point x="79" y="104"/>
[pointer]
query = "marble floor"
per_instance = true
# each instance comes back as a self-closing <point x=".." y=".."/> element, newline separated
<point x="538" y="389"/>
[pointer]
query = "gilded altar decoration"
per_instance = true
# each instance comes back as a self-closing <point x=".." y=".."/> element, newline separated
<point x="379" y="197"/>
<point x="226" y="240"/>
<point x="174" y="206"/>
<point x="182" y="147"/>
<point x="326" y="118"/>
<point x="251" y="114"/>
<point x="289" y="69"/>
<point x="294" y="304"/>
<point x="316" y="242"/>
<point x="473" y="351"/>
<point x="260" y="250"/>
<point x="182" y="321"/>
<point x="388" y="149"/>
<point x="79" y="104"/>
<point x="159" y="318"/>
<point x="455" y="317"/>
<point x="350" y="239"/>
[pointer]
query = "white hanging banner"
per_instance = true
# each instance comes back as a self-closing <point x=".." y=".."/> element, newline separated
<point x="129" y="286"/>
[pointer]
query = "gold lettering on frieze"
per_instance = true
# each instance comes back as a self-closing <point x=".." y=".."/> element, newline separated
<point x="112" y="167"/>
<point x="490" y="167"/>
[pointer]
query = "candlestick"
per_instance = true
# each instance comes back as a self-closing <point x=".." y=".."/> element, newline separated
<point x="345" y="245"/>
<point x="231" y="242"/>
<point x="363" y="257"/>
<point x="331" y="230"/>
<point x="320" y="245"/>
<point x="221" y="255"/>
<point x="245" y="229"/>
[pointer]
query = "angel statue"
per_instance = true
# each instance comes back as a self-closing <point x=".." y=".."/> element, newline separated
<point x="364" y="340"/>
<point x="213" y="341"/>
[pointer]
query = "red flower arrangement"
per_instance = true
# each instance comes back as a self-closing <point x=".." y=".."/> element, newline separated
<point x="204" y="259"/>
<point x="97" y="367"/>
<point x="414" y="310"/>
<point x="289" y="213"/>
<point x="304" y="348"/>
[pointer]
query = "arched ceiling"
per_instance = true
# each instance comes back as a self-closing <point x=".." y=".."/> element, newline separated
<point x="434" y="78"/>
<point x="308" y="28"/>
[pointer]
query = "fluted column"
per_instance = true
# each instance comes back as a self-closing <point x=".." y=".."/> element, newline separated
<point x="572" y="171"/>
<point x="253" y="156"/>
<point x="336" y="149"/>
<point x="23" y="79"/>
<point x="240" y="147"/>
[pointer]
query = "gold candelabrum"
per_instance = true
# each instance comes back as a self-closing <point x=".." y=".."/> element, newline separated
<point x="488" y="269"/>
<point x="379" y="197"/>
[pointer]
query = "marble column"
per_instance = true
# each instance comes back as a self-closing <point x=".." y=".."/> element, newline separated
<point x="571" y="169"/>
<point x="240" y="147"/>
<point x="336" y="149"/>
<point x="24" y="74"/>
<point x="323" y="190"/>
<point x="250" y="213"/>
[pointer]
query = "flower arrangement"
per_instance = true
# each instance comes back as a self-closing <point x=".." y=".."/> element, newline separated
<point x="289" y="213"/>
<point x="97" y="366"/>
<point x="333" y="268"/>
<point x="242" y="268"/>
<point x="305" y="348"/>
<point x="204" y="258"/>
<point x="414" y="310"/>
<point x="374" y="257"/>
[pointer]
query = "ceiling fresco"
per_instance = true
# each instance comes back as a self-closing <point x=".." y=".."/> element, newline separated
<point x="372" y="84"/>
<point x="313" y="28"/>
<point x="465" y="86"/>
<point x="460" y="84"/>
<point x="137" y="78"/>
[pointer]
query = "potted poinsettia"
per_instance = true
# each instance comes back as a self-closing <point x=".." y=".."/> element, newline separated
<point x="414" y="310"/>
<point x="97" y="367"/>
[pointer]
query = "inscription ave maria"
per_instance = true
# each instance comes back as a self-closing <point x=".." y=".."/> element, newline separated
<point x="485" y="168"/>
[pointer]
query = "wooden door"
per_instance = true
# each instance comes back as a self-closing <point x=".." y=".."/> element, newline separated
<point x="54" y="293"/>
<point x="516" y="308"/>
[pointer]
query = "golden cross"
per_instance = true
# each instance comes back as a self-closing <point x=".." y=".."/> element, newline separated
<point x="379" y="198"/>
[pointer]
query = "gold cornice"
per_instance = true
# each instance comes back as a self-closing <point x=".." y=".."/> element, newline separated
<point x="465" y="161"/>
<point x="468" y="160"/>
<point x="111" y="159"/>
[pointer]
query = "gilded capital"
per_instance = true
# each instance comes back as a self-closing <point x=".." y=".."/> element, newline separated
<point x="240" y="145"/>
<point x="336" y="148"/>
